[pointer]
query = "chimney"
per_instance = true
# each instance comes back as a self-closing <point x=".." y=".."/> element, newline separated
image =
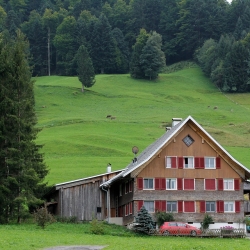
<point x="175" y="121"/>
<point x="109" y="168"/>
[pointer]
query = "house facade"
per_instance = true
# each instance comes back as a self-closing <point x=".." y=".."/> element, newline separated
<point x="185" y="172"/>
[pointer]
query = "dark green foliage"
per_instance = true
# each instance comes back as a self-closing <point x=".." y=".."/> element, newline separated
<point x="206" y="221"/>
<point x="152" y="58"/>
<point x="162" y="217"/>
<point x="102" y="46"/>
<point x="71" y="219"/>
<point x="85" y="70"/>
<point x="145" y="221"/>
<point x="43" y="217"/>
<point x="22" y="169"/>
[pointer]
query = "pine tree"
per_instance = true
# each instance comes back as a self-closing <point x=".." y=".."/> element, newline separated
<point x="85" y="70"/>
<point x="22" y="170"/>
<point x="145" y="221"/>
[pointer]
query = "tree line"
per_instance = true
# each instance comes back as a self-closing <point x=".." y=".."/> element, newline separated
<point x="110" y="31"/>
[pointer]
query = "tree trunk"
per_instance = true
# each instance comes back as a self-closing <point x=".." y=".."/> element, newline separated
<point x="82" y="88"/>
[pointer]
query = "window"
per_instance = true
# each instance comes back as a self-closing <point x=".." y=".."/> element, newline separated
<point x="228" y="206"/>
<point x="171" y="206"/>
<point x="171" y="162"/>
<point x="188" y="184"/>
<point x="228" y="184"/>
<point x="149" y="205"/>
<point x="209" y="162"/>
<point x="188" y="162"/>
<point x="209" y="184"/>
<point x="171" y="184"/>
<point x="210" y="206"/>
<point x="130" y="186"/>
<point x="148" y="183"/>
<point x="126" y="187"/>
<point x="188" y="140"/>
<point x="189" y="207"/>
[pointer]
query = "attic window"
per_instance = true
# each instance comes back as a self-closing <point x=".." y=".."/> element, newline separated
<point x="188" y="140"/>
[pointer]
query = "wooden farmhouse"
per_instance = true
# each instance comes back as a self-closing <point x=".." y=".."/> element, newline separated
<point x="185" y="172"/>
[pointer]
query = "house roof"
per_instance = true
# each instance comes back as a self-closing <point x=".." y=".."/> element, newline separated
<point x="152" y="150"/>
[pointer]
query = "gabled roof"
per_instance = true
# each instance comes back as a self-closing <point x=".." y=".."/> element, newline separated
<point x="152" y="150"/>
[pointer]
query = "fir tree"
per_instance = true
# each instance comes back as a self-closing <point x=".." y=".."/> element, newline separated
<point x="85" y="70"/>
<point x="145" y="221"/>
<point x="22" y="170"/>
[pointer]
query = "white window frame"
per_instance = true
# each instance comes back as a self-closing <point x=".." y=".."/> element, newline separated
<point x="190" y="163"/>
<point x="229" y="207"/>
<point x="226" y="184"/>
<point x="148" y="188"/>
<point x="210" y="206"/>
<point x="210" y="189"/>
<point x="183" y="180"/>
<point x="169" y="164"/>
<point x="183" y="204"/>
<point x="150" y="206"/>
<point x="173" y="181"/>
<point x="171" y="204"/>
<point x="208" y="164"/>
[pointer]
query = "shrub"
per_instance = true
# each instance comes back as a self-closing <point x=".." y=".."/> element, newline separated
<point x="97" y="227"/>
<point x="206" y="221"/>
<point x="43" y="217"/>
<point x="71" y="219"/>
<point x="162" y="217"/>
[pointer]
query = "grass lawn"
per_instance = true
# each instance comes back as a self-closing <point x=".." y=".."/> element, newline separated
<point x="29" y="236"/>
<point x="79" y="140"/>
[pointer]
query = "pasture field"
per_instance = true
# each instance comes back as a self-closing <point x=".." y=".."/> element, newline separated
<point x="79" y="140"/>
<point x="29" y="236"/>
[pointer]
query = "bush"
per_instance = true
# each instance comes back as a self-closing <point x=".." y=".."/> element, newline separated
<point x="162" y="217"/>
<point x="206" y="221"/>
<point x="43" y="217"/>
<point x="97" y="227"/>
<point x="71" y="219"/>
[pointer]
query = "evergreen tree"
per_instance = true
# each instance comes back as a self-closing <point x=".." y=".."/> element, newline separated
<point x="85" y="70"/>
<point x="152" y="58"/>
<point x="22" y="170"/>
<point x="102" y="46"/>
<point x="145" y="221"/>
<point x="136" y="70"/>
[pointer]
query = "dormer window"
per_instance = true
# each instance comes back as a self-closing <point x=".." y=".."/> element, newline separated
<point x="188" y="140"/>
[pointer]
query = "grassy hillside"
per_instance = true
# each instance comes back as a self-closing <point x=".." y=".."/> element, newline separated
<point x="79" y="140"/>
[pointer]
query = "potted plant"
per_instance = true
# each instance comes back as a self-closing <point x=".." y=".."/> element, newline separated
<point x="226" y="230"/>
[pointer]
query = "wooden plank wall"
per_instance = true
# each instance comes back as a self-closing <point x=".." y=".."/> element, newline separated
<point x="82" y="201"/>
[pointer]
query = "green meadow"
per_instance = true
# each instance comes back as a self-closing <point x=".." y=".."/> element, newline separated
<point x="79" y="140"/>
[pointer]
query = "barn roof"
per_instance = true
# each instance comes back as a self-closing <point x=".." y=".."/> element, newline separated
<point x="153" y="150"/>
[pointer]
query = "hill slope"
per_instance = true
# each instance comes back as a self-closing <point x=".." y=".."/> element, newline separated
<point x="79" y="140"/>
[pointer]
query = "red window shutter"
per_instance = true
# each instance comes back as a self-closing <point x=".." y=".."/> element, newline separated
<point x="120" y="211"/>
<point x="217" y="162"/>
<point x="220" y="184"/>
<point x="196" y="162"/>
<point x="236" y="184"/>
<point x="209" y="184"/>
<point x="157" y="206"/>
<point x="157" y="184"/>
<point x="163" y="206"/>
<point x="173" y="162"/>
<point x="130" y="207"/>
<point x="180" y="162"/>
<point x="188" y="184"/>
<point x="179" y="184"/>
<point x="202" y="162"/>
<point x="189" y="206"/>
<point x="140" y="183"/>
<point x="180" y="207"/>
<point x="202" y="206"/>
<point x="220" y="206"/>
<point x="237" y="206"/>
<point x="163" y="183"/>
<point x="139" y="205"/>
